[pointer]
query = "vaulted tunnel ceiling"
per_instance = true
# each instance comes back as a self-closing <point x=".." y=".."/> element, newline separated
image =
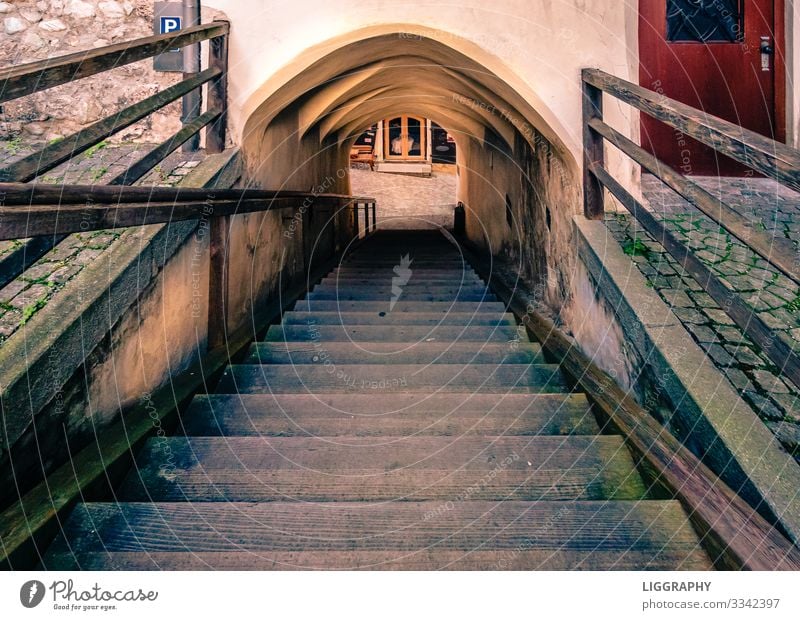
<point x="363" y="82"/>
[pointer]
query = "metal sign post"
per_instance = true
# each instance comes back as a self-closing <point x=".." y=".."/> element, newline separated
<point x="168" y="17"/>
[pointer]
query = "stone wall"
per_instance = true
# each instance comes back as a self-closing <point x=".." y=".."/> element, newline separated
<point x="33" y="30"/>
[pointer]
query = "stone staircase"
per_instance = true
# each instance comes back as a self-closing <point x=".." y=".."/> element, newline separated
<point x="396" y="419"/>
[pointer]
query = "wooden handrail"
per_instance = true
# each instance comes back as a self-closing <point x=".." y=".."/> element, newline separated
<point x="41" y="194"/>
<point x="762" y="154"/>
<point x="43" y="74"/>
<point x="777" y="251"/>
<point x="766" y="156"/>
<point x="22" y="221"/>
<point x="150" y="160"/>
<point x="747" y="320"/>
<point x="52" y="155"/>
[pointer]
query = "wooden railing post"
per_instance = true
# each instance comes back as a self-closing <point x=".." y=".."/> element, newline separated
<point x="218" y="94"/>
<point x="374" y="217"/>
<point x="366" y="219"/>
<point x="593" y="155"/>
<point x="218" y="282"/>
<point x="355" y="220"/>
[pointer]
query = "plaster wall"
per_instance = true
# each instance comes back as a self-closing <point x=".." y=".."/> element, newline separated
<point x="538" y="48"/>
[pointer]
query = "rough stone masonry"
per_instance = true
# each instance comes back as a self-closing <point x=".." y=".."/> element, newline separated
<point x="33" y="30"/>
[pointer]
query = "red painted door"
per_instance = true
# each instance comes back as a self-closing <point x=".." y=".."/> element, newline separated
<point x="715" y="55"/>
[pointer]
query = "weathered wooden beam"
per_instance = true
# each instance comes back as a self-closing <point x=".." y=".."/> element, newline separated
<point x="778" y="251"/>
<point x="218" y="284"/>
<point x="52" y="155"/>
<point x="218" y="94"/>
<point x="20" y="222"/>
<point x="733" y="532"/>
<point x="748" y="321"/>
<point x="141" y="167"/>
<point x="593" y="152"/>
<point x="758" y="152"/>
<point x="41" y="194"/>
<point x="43" y="74"/>
<point x="18" y="259"/>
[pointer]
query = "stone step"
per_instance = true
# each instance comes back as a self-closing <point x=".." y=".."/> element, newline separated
<point x="405" y="414"/>
<point x="399" y="318"/>
<point x="434" y="262"/>
<point x="386" y="278"/>
<point x="386" y="295"/>
<point x="314" y="469"/>
<point x="394" y="353"/>
<point x="384" y="286"/>
<point x="652" y="534"/>
<point x="433" y="272"/>
<point x="394" y="333"/>
<point x="343" y="305"/>
<point x="383" y="379"/>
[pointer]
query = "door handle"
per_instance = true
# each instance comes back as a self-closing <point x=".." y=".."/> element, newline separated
<point x="766" y="51"/>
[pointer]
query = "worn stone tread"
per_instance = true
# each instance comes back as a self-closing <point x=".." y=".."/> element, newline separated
<point x="582" y="527"/>
<point x="395" y="333"/>
<point x="413" y="468"/>
<point x="348" y="352"/>
<point x="417" y="560"/>
<point x="405" y="318"/>
<point x="385" y="295"/>
<point x="382" y="305"/>
<point x="371" y="415"/>
<point x="380" y="378"/>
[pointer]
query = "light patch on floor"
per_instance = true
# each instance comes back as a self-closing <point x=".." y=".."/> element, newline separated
<point x="408" y="202"/>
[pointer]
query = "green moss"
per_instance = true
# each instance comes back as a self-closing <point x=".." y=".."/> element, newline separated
<point x="13" y="146"/>
<point x="635" y="247"/>
<point x="97" y="173"/>
<point x="32" y="309"/>
<point x="94" y="149"/>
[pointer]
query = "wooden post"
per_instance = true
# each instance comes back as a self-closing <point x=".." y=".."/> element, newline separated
<point x="218" y="282"/>
<point x="374" y="217"/>
<point x="218" y="94"/>
<point x="355" y="220"/>
<point x="366" y="219"/>
<point x="593" y="206"/>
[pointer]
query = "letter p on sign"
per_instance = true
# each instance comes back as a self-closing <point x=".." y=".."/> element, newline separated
<point x="170" y="24"/>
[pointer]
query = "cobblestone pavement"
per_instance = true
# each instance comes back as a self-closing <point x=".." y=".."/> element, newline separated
<point x="774" y="297"/>
<point x="21" y="298"/>
<point x="406" y="201"/>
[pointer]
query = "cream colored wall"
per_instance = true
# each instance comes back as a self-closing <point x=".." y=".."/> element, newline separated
<point x="537" y="47"/>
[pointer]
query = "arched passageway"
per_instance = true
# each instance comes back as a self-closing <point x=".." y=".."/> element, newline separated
<point x="516" y="178"/>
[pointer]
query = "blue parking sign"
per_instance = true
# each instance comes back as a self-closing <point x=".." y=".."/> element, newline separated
<point x="170" y="24"/>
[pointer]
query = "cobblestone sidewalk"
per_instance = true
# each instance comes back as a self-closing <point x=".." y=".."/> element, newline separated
<point x="408" y="201"/>
<point x="23" y="297"/>
<point x="774" y="297"/>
